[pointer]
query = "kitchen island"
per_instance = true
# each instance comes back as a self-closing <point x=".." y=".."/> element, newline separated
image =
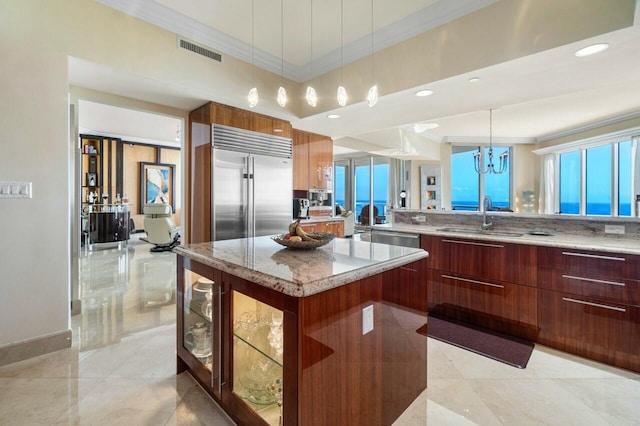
<point x="335" y="335"/>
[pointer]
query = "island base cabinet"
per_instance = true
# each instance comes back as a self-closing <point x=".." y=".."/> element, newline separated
<point x="348" y="377"/>
<point x="603" y="331"/>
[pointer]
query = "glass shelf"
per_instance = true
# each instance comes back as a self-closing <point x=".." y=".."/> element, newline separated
<point x="258" y="345"/>
<point x="258" y="339"/>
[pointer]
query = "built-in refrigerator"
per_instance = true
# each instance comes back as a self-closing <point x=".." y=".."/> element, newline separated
<point x="252" y="183"/>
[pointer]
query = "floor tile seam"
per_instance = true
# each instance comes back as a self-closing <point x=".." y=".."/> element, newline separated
<point x="575" y="401"/>
<point x="78" y="400"/>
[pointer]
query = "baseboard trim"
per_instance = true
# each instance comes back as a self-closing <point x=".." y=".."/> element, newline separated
<point x="14" y="352"/>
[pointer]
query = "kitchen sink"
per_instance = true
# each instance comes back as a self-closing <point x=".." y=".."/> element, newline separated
<point x="481" y="232"/>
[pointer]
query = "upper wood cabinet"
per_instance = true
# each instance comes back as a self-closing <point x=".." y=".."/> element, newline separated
<point x="312" y="161"/>
<point x="300" y="160"/>
<point x="215" y="113"/>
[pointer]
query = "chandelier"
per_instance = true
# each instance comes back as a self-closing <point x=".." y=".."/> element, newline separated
<point x="503" y="158"/>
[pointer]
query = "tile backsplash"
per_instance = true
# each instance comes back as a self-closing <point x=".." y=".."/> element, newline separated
<point x="586" y="226"/>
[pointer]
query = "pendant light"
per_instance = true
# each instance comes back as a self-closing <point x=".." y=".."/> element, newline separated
<point x="491" y="168"/>
<point x="372" y="96"/>
<point x="311" y="95"/>
<point x="282" y="92"/>
<point x="342" y="92"/>
<point x="253" y="93"/>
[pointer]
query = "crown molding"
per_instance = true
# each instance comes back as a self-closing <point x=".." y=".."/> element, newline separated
<point x="482" y="140"/>
<point x="613" y="120"/>
<point x="428" y="18"/>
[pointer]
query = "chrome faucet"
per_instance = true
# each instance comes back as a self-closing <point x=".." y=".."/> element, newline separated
<point x="486" y="203"/>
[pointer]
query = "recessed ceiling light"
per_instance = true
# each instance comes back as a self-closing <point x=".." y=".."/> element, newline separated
<point x="474" y="80"/>
<point x="424" y="92"/>
<point x="421" y="127"/>
<point x="333" y="116"/>
<point x="592" y="50"/>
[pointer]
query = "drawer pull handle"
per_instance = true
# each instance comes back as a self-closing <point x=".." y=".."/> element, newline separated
<point x="473" y="244"/>
<point x="593" y="256"/>
<point x="402" y="235"/>
<point x="597" y="305"/>
<point x="472" y="281"/>
<point x="404" y="268"/>
<point x="593" y="280"/>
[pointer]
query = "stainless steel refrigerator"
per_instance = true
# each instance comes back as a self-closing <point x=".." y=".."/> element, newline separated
<point x="252" y="183"/>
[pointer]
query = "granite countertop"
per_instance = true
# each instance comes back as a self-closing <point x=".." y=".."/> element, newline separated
<point x="609" y="243"/>
<point x="300" y="273"/>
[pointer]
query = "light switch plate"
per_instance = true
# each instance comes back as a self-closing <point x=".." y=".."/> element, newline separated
<point x="367" y="319"/>
<point x="614" y="229"/>
<point x="15" y="189"/>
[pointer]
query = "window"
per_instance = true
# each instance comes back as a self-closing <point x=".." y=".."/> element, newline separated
<point x="624" y="179"/>
<point x="340" y="188"/>
<point x="597" y="181"/>
<point x="353" y="188"/>
<point x="598" y="175"/>
<point x="466" y="183"/>
<point x="498" y="186"/>
<point x="362" y="184"/>
<point x="570" y="183"/>
<point x="380" y="184"/>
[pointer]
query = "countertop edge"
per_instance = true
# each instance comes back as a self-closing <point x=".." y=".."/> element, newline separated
<point x="296" y="290"/>
<point x="589" y="243"/>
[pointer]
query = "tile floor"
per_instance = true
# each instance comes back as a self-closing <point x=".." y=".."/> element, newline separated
<point x="121" y="368"/>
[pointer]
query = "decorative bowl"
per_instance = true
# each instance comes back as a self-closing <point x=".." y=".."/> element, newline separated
<point x="321" y="238"/>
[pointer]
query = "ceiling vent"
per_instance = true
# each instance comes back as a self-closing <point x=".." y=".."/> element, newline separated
<point x="200" y="50"/>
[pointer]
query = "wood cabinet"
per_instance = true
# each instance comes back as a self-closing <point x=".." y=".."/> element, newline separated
<point x="243" y="119"/>
<point x="227" y="337"/>
<point x="589" y="304"/>
<point x="300" y="160"/>
<point x="334" y="226"/>
<point x="484" y="283"/>
<point x="312" y="161"/>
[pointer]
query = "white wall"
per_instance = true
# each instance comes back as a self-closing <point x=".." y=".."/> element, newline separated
<point x="36" y="39"/>
<point x="34" y="147"/>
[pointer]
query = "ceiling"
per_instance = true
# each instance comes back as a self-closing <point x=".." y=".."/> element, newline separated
<point x="533" y="96"/>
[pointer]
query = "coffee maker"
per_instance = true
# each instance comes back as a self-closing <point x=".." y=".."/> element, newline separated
<point x="300" y="208"/>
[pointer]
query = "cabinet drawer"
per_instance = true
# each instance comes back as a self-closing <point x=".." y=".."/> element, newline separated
<point x="604" y="331"/>
<point x="482" y="259"/>
<point x="590" y="263"/>
<point x="500" y="306"/>
<point x="616" y="290"/>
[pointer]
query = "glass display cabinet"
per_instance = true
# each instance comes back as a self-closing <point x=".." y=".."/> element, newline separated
<point x="258" y="345"/>
<point x="200" y="325"/>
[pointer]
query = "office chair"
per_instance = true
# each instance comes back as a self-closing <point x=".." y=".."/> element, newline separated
<point x="364" y="215"/>
<point x="160" y="229"/>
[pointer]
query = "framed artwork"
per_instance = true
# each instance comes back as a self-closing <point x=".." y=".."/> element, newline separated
<point x="430" y="187"/>
<point x="157" y="184"/>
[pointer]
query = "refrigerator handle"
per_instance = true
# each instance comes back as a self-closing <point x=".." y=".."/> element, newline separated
<point x="251" y="217"/>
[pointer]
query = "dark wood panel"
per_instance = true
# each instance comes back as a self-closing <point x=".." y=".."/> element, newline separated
<point x="588" y="327"/>
<point x="591" y="263"/>
<point x="369" y="379"/>
<point x="320" y="161"/>
<point x="499" y="306"/>
<point x="201" y="195"/>
<point x="617" y="290"/>
<point x="347" y="384"/>
<point x="300" y="160"/>
<point x="480" y="259"/>
<point x="404" y="341"/>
